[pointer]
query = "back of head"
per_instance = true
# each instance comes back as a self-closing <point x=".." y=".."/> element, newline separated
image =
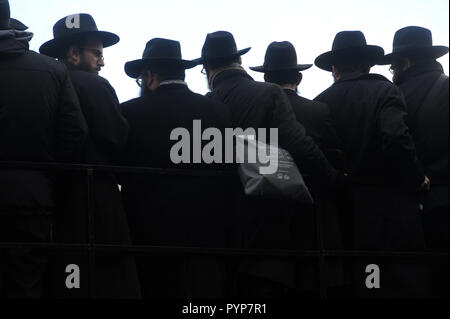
<point x="167" y="72"/>
<point x="354" y="66"/>
<point x="4" y="14"/>
<point x="223" y="62"/>
<point x="283" y="77"/>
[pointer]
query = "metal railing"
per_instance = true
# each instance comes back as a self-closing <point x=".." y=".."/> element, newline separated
<point x="321" y="253"/>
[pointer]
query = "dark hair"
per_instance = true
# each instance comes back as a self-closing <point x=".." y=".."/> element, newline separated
<point x="283" y="77"/>
<point x="361" y="67"/>
<point x="167" y="73"/>
<point x="221" y="62"/>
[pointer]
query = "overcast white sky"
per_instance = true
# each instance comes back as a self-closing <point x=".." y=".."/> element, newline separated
<point x="309" y="25"/>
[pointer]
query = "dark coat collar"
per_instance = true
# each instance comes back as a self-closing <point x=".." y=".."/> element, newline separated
<point x="419" y="69"/>
<point x="228" y="74"/>
<point x="171" y="87"/>
<point x="359" y="76"/>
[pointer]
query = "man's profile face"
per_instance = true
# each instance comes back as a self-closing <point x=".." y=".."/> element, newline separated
<point x="398" y="67"/>
<point x="91" y="56"/>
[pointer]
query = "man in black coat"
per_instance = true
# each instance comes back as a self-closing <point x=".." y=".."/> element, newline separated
<point x="425" y="87"/>
<point x="368" y="113"/>
<point x="80" y="47"/>
<point x="169" y="209"/>
<point x="259" y="105"/>
<point x="264" y="105"/>
<point x="40" y="121"/>
<point x="280" y="67"/>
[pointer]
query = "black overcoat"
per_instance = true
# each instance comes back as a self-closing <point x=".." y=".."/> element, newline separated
<point x="108" y="132"/>
<point x="429" y="126"/>
<point x="315" y="117"/>
<point x="262" y="223"/>
<point x="174" y="210"/>
<point x="40" y="121"/>
<point x="368" y="113"/>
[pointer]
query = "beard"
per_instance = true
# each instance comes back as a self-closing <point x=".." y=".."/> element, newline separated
<point x="334" y="77"/>
<point x="396" y="77"/>
<point x="85" y="66"/>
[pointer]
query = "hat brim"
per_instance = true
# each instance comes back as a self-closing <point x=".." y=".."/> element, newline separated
<point x="434" y="52"/>
<point x="134" y="68"/>
<point x="238" y="53"/>
<point x="299" y="67"/>
<point x="17" y="25"/>
<point x="53" y="47"/>
<point x="371" y="54"/>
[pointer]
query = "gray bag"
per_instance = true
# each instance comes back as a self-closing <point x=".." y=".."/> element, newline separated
<point x="283" y="182"/>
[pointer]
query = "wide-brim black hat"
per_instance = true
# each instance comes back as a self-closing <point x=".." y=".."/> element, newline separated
<point x="73" y="28"/>
<point x="349" y="46"/>
<point x="413" y="41"/>
<point x="159" y="53"/>
<point x="280" y="56"/>
<point x="220" y="45"/>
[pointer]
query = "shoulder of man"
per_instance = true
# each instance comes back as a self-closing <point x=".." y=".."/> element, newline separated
<point x="131" y="105"/>
<point x="316" y="106"/>
<point x="93" y="85"/>
<point x="89" y="80"/>
<point x="44" y="63"/>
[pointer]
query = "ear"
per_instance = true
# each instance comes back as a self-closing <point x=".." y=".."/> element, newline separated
<point x="266" y="78"/>
<point x="407" y="64"/>
<point x="299" y="78"/>
<point x="148" y="78"/>
<point x="240" y="60"/>
<point x="335" y="72"/>
<point x="73" y="54"/>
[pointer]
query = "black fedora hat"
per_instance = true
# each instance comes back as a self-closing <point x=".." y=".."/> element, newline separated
<point x="67" y="29"/>
<point x="218" y="45"/>
<point x="280" y="56"/>
<point x="17" y="25"/>
<point x="414" y="40"/>
<point x="349" y="46"/>
<point x="160" y="52"/>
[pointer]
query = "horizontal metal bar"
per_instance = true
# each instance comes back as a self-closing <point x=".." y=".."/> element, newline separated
<point x="222" y="251"/>
<point x="116" y="169"/>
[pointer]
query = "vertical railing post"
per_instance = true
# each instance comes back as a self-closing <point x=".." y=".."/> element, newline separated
<point x="318" y="207"/>
<point x="91" y="231"/>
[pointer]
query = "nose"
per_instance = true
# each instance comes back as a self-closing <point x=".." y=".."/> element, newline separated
<point x="101" y="63"/>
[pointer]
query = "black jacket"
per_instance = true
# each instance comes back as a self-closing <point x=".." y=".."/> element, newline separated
<point x="315" y="117"/>
<point x="40" y="121"/>
<point x="108" y="132"/>
<point x="368" y="114"/>
<point x="174" y="210"/>
<point x="171" y="209"/>
<point x="429" y="125"/>
<point x="262" y="105"/>
<point x="108" y="129"/>
<point x="153" y="117"/>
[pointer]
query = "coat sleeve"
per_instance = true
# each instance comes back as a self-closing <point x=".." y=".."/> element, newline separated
<point x="397" y="142"/>
<point x="292" y="137"/>
<point x="71" y="128"/>
<point x="108" y="128"/>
